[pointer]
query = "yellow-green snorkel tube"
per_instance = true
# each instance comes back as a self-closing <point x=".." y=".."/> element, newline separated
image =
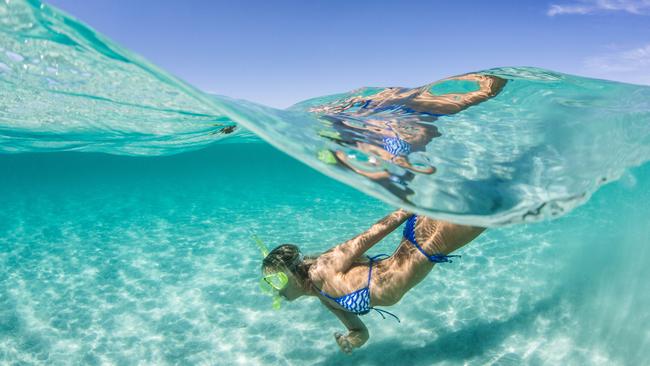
<point x="273" y="283"/>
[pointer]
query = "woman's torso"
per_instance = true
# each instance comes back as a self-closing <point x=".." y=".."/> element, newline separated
<point x="394" y="276"/>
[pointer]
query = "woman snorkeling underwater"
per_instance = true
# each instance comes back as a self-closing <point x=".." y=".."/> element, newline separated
<point x="349" y="286"/>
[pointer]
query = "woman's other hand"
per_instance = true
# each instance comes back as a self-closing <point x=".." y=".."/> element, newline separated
<point x="344" y="343"/>
<point x="354" y="339"/>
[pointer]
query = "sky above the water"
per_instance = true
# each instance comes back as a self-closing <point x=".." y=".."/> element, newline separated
<point x="280" y="52"/>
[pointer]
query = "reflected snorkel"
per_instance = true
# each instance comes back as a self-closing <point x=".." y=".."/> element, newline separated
<point x="273" y="283"/>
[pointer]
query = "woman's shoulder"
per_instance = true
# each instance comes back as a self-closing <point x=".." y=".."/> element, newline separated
<point x="316" y="273"/>
<point x="323" y="268"/>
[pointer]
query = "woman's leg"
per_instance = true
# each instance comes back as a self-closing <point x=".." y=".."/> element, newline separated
<point x="441" y="237"/>
<point x="408" y="266"/>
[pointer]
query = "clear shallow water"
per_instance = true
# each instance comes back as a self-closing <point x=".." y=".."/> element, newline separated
<point x="123" y="260"/>
<point x="143" y="255"/>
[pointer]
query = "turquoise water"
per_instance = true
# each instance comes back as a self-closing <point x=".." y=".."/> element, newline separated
<point x="110" y="259"/>
<point x="128" y="197"/>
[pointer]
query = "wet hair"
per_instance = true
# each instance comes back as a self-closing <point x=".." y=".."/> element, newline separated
<point x="286" y="256"/>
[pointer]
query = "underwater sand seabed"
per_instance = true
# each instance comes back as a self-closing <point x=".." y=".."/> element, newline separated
<point x="117" y="248"/>
<point x="122" y="259"/>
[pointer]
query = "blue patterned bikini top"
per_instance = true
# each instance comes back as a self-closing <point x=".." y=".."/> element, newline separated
<point x="358" y="302"/>
<point x="396" y="146"/>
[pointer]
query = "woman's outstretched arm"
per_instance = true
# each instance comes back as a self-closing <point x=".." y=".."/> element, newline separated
<point x="489" y="86"/>
<point x="340" y="155"/>
<point x="357" y="331"/>
<point x="340" y="258"/>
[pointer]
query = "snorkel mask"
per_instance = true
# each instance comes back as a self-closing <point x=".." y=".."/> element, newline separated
<point x="273" y="283"/>
<point x="326" y="157"/>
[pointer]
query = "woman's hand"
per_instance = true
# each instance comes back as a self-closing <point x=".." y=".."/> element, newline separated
<point x="354" y="339"/>
<point x="404" y="163"/>
<point x="344" y="343"/>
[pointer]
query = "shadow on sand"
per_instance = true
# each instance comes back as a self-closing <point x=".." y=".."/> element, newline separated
<point x="473" y="341"/>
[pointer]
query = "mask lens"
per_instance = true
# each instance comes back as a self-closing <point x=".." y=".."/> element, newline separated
<point x="277" y="280"/>
<point x="272" y="285"/>
<point x="266" y="287"/>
